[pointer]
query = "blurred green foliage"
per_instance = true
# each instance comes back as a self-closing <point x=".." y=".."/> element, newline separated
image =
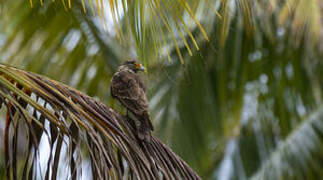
<point x="248" y="103"/>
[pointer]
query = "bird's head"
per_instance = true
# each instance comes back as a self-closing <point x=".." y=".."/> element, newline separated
<point x="133" y="65"/>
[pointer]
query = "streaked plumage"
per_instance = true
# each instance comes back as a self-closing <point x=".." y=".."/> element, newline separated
<point x="129" y="90"/>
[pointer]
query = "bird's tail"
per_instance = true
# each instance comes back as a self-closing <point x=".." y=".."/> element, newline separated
<point x="145" y="128"/>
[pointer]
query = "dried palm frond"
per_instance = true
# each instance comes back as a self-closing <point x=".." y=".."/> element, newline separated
<point x="78" y="128"/>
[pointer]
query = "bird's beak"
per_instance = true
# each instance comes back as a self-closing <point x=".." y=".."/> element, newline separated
<point x="142" y="68"/>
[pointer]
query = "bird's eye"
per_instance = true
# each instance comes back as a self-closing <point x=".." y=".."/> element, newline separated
<point x="138" y="65"/>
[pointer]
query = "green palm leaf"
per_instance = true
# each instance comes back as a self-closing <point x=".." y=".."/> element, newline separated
<point x="145" y="21"/>
<point x="300" y="155"/>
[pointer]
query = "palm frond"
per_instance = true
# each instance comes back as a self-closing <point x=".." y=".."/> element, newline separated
<point x="146" y="21"/>
<point x="59" y="38"/>
<point x="300" y="155"/>
<point x="77" y="128"/>
<point x="250" y="90"/>
<point x="304" y="16"/>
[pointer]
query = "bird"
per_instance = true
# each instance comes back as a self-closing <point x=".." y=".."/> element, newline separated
<point x="127" y="88"/>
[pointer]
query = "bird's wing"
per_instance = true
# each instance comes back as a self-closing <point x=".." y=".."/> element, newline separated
<point x="126" y="88"/>
<point x="142" y="85"/>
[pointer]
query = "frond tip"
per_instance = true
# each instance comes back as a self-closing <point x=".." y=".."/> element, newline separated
<point x="77" y="128"/>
